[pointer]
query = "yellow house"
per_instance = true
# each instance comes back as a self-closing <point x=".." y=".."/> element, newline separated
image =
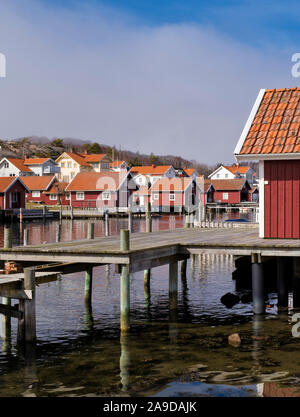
<point x="71" y="163"/>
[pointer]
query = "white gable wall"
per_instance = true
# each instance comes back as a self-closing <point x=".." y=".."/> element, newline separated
<point x="222" y="174"/>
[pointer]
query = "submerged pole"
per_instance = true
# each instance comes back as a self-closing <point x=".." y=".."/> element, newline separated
<point x="282" y="284"/>
<point x="6" y="321"/>
<point x="173" y="285"/>
<point x="124" y="284"/>
<point x="27" y="319"/>
<point x="183" y="268"/>
<point x="88" y="282"/>
<point x="258" y="284"/>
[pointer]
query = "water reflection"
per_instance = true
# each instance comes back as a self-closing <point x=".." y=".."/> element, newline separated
<point x="179" y="344"/>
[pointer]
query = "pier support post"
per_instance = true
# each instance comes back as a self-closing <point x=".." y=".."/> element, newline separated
<point x="5" y="332"/>
<point x="129" y="219"/>
<point x="148" y="218"/>
<point x="58" y="232"/>
<point x="26" y="237"/>
<point x="6" y="321"/>
<point x="91" y="231"/>
<point x="106" y="220"/>
<point x="173" y="285"/>
<point x="27" y="323"/>
<point x="44" y="213"/>
<point x="60" y="213"/>
<point x="296" y="283"/>
<point x="147" y="274"/>
<point x="282" y="284"/>
<point x="88" y="285"/>
<point x="72" y="213"/>
<point x="187" y="221"/>
<point x="21" y="215"/>
<point x="183" y="268"/>
<point x="258" y="284"/>
<point x="124" y="362"/>
<point x="125" y="284"/>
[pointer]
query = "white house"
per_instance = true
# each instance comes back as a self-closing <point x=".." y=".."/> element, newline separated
<point x="225" y="172"/>
<point x="145" y="175"/>
<point x="14" y="167"/>
<point x="42" y="166"/>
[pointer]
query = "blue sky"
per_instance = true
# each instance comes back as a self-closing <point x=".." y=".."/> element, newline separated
<point x="165" y="77"/>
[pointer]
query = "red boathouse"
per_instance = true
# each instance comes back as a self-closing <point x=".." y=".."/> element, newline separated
<point x="272" y="136"/>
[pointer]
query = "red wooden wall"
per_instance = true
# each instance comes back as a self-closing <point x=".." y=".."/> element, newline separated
<point x="282" y="199"/>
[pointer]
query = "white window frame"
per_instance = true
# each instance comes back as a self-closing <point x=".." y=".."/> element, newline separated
<point x="68" y="196"/>
<point x="69" y="165"/>
<point x="173" y="197"/>
<point x="53" y="197"/>
<point x="62" y="165"/>
<point x="36" y="194"/>
<point x="80" y="195"/>
<point x="6" y="165"/>
<point x="13" y="197"/>
<point x="225" y="196"/>
<point x="155" y="196"/>
<point x="47" y="169"/>
<point x="106" y="195"/>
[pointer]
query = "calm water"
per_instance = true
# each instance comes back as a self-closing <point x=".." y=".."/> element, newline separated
<point x="80" y="352"/>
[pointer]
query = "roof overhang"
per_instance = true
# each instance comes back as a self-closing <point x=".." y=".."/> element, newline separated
<point x="266" y="157"/>
<point x="249" y="122"/>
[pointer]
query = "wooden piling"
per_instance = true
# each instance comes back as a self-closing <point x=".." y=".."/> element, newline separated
<point x="58" y="232"/>
<point x="60" y="212"/>
<point x="5" y="321"/>
<point x="72" y="213"/>
<point x="91" y="231"/>
<point x="282" y="284"/>
<point x="258" y="284"/>
<point x="27" y="320"/>
<point x="148" y="218"/>
<point x="173" y="284"/>
<point x="21" y="215"/>
<point x="44" y="213"/>
<point x="7" y="236"/>
<point x="88" y="285"/>
<point x="183" y="268"/>
<point x="26" y="233"/>
<point x="129" y="219"/>
<point x="125" y="299"/>
<point x="106" y="219"/>
<point x="147" y="274"/>
<point x="124" y="240"/>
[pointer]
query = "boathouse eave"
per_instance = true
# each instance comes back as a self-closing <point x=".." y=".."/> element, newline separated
<point x="267" y="157"/>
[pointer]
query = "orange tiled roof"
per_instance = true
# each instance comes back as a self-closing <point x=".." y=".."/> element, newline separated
<point x="37" y="183"/>
<point x="236" y="168"/>
<point x="19" y="163"/>
<point x="96" y="181"/>
<point x="57" y="187"/>
<point x="5" y="182"/>
<point x="150" y="170"/>
<point x="35" y="161"/>
<point x="189" y="171"/>
<point x="228" y="185"/>
<point x="116" y="164"/>
<point x="276" y="125"/>
<point x="94" y="157"/>
<point x="78" y="158"/>
<point x="170" y="184"/>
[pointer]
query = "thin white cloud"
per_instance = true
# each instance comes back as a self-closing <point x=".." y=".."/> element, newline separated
<point x="98" y="75"/>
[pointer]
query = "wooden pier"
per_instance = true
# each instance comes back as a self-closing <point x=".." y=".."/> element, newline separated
<point x="137" y="252"/>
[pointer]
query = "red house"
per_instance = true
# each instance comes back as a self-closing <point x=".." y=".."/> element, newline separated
<point x="272" y="136"/>
<point x="231" y="191"/>
<point x="174" y="194"/>
<point x="101" y="189"/>
<point x="36" y="186"/>
<point x="57" y="194"/>
<point x="12" y="193"/>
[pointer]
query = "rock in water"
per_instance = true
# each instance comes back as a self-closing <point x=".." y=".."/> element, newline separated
<point x="229" y="299"/>
<point x="247" y="298"/>
<point x="234" y="339"/>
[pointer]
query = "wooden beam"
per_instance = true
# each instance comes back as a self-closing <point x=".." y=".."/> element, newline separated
<point x="153" y="263"/>
<point x="10" y="311"/>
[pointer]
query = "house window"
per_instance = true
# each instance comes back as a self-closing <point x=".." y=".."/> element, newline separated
<point x="105" y="165"/>
<point x="218" y="175"/>
<point x="69" y="164"/>
<point x="14" y="197"/>
<point x="68" y="197"/>
<point x="155" y="196"/>
<point x="96" y="165"/>
<point x="12" y="175"/>
<point x="47" y="169"/>
<point x="172" y="197"/>
<point x="80" y="195"/>
<point x="36" y="193"/>
<point x="6" y="165"/>
<point x="53" y="196"/>
<point x="106" y="196"/>
<point x="226" y="175"/>
<point x="225" y="196"/>
<point x="62" y="165"/>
